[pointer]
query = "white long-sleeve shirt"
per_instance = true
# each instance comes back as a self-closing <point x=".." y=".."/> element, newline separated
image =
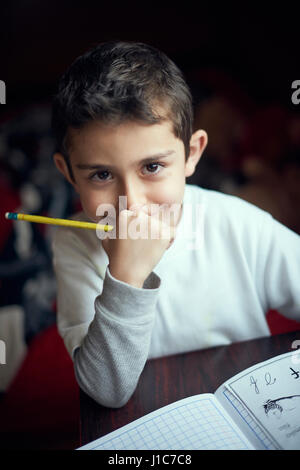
<point x="229" y="264"/>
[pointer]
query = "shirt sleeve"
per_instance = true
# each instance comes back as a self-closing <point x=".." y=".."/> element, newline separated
<point x="278" y="273"/>
<point x="106" y="324"/>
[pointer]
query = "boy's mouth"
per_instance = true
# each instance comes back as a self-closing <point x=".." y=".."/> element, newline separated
<point x="169" y="216"/>
<point x="169" y="213"/>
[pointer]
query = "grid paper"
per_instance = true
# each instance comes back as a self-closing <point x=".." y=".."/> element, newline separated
<point x="261" y="436"/>
<point x="192" y="423"/>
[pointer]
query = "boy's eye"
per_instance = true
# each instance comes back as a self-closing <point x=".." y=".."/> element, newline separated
<point x="153" y="168"/>
<point x="105" y="175"/>
<point x="101" y="176"/>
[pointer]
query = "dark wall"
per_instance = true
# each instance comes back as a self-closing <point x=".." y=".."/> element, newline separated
<point x="256" y="46"/>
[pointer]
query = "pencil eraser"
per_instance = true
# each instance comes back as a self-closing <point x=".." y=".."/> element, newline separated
<point x="11" y="216"/>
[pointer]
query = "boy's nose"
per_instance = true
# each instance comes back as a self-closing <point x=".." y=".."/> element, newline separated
<point x="135" y="194"/>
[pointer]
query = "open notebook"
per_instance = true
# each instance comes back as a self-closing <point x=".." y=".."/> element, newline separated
<point x="258" y="408"/>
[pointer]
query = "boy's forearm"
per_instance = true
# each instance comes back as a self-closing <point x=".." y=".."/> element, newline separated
<point x="113" y="354"/>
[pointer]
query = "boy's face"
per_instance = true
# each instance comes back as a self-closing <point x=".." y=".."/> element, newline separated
<point x="146" y="163"/>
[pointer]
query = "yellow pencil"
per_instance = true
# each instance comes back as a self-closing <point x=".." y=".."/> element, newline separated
<point x="64" y="222"/>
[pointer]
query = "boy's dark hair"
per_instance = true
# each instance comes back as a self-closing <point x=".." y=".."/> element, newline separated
<point x="118" y="81"/>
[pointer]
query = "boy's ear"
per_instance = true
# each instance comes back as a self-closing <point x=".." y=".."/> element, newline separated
<point x="198" y="143"/>
<point x="62" y="166"/>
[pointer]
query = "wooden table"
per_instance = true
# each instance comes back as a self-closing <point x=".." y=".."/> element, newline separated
<point x="168" y="379"/>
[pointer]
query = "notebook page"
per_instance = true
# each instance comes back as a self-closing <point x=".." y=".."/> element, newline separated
<point x="244" y="420"/>
<point x="270" y="392"/>
<point x="197" y="422"/>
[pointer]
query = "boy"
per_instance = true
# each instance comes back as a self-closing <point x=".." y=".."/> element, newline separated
<point x="122" y="118"/>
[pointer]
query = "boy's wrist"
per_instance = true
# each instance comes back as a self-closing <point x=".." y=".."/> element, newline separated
<point x="126" y="277"/>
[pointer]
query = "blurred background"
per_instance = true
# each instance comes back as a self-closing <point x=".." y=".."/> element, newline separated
<point x="240" y="62"/>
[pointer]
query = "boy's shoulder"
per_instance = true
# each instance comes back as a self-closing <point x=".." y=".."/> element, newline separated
<point x="219" y="200"/>
<point x="77" y="247"/>
<point x="76" y="237"/>
<point x="221" y="208"/>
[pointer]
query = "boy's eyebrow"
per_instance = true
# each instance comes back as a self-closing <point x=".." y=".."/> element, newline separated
<point x="144" y="161"/>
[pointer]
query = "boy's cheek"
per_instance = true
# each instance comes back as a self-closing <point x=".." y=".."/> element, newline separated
<point x="89" y="212"/>
<point x="90" y="207"/>
<point x="167" y="198"/>
<point x="170" y="196"/>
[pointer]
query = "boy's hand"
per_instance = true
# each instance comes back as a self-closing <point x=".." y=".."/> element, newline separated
<point x="140" y="242"/>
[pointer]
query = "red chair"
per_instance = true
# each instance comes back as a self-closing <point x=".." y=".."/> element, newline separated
<point x="40" y="410"/>
<point x="280" y="324"/>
